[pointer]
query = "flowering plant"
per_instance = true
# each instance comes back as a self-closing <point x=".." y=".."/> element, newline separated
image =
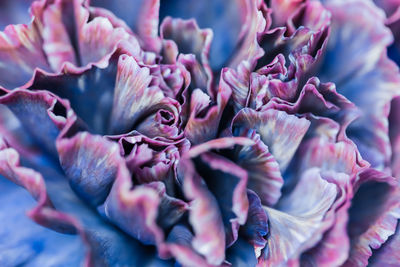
<point x="200" y="133"/>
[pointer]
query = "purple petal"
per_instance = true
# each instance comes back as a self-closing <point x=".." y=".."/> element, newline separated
<point x="256" y="228"/>
<point x="170" y="209"/>
<point x="334" y="246"/>
<point x="204" y="216"/>
<point x="58" y="207"/>
<point x="263" y="170"/>
<point x="194" y="45"/>
<point x="202" y="128"/>
<point x="374" y="215"/>
<point x="364" y="34"/>
<point x="139" y="15"/>
<point x="30" y="107"/>
<point x="257" y="22"/>
<point x="179" y="244"/>
<point x="301" y="42"/>
<point x="300" y="221"/>
<point x="380" y="86"/>
<point x="394" y="134"/>
<point x="80" y="156"/>
<point x="387" y="254"/>
<point x="227" y="182"/>
<point x="341" y="156"/>
<point x="97" y="38"/>
<point x="134" y="210"/>
<point x="58" y="23"/>
<point x="226" y="20"/>
<point x="378" y="77"/>
<point x="281" y="132"/>
<point x="133" y="88"/>
<point x="152" y="160"/>
<point x="20" y="43"/>
<point x="283" y="10"/>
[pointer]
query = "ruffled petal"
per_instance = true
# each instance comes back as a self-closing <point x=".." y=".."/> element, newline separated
<point x="341" y="156"/>
<point x="90" y="163"/>
<point x="139" y="15"/>
<point x="227" y="182"/>
<point x="109" y="90"/>
<point x="256" y="228"/>
<point x="58" y="210"/>
<point x="179" y="244"/>
<point x="60" y="36"/>
<point x="134" y="89"/>
<point x="31" y="107"/>
<point x="387" y="254"/>
<point x="134" y="210"/>
<point x="152" y="160"/>
<point x="204" y="215"/>
<point x="302" y="42"/>
<point x="334" y="247"/>
<point x="204" y="117"/>
<point x="20" y="52"/>
<point x="281" y="132"/>
<point x="370" y="80"/>
<point x="265" y="177"/>
<point x="300" y="221"/>
<point x="193" y="44"/>
<point x="225" y="19"/>
<point x="374" y="214"/>
<point x="359" y="38"/>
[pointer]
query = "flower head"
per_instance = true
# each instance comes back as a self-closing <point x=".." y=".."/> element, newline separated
<point x="202" y="133"/>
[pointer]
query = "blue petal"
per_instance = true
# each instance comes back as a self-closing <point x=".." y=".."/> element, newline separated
<point x="27" y="243"/>
<point x="219" y="15"/>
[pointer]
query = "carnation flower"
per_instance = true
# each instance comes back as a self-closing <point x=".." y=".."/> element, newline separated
<point x="199" y="133"/>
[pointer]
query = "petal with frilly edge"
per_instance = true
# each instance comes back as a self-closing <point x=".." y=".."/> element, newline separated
<point x="226" y="19"/>
<point x="370" y="131"/>
<point x="152" y="159"/>
<point x="100" y="95"/>
<point x="356" y="61"/>
<point x="227" y="182"/>
<point x="20" y="52"/>
<point x="141" y="16"/>
<point x="354" y="36"/>
<point x="263" y="170"/>
<point x="53" y="190"/>
<point x="204" y="215"/>
<point x="205" y="117"/>
<point x="374" y="214"/>
<point x="256" y="228"/>
<point x="30" y="107"/>
<point x="387" y="255"/>
<point x="134" y="89"/>
<point x="193" y="44"/>
<point x="29" y="48"/>
<point x="90" y="163"/>
<point x="299" y="221"/>
<point x="134" y="210"/>
<point x="281" y="132"/>
<point x="334" y="247"/>
<point x="86" y="39"/>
